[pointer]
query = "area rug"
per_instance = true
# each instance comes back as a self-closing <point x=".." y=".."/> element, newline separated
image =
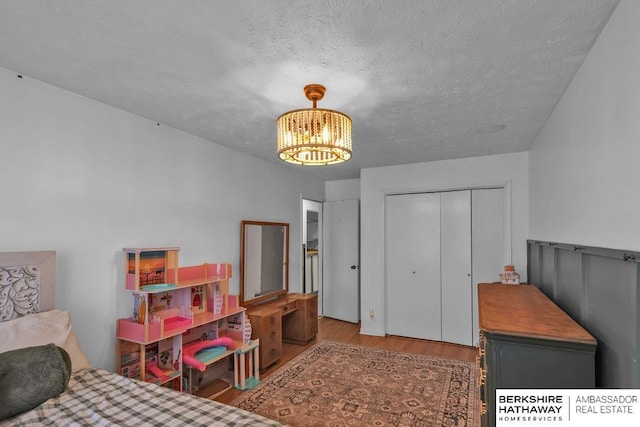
<point x="334" y="384"/>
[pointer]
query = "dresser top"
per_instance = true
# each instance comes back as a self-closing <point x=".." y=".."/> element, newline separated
<point x="285" y="300"/>
<point x="523" y="310"/>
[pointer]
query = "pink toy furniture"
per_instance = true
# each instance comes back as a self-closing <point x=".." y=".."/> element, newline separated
<point x="173" y="306"/>
<point x="248" y="354"/>
<point x="189" y="350"/>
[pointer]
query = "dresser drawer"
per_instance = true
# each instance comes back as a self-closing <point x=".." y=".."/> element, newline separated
<point x="268" y="328"/>
<point x="269" y="355"/>
<point x="289" y="307"/>
<point x="272" y="332"/>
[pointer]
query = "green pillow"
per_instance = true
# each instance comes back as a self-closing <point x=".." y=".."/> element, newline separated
<point x="30" y="376"/>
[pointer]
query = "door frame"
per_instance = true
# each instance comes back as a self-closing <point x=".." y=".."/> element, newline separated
<point x="305" y="203"/>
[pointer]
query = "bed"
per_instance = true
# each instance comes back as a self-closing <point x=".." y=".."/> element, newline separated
<point x="86" y="395"/>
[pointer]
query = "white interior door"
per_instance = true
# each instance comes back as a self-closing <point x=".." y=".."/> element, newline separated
<point x="412" y="269"/>
<point x="341" y="269"/>
<point x="488" y="242"/>
<point x="455" y="256"/>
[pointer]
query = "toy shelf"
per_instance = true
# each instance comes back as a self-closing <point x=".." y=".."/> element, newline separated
<point x="168" y="376"/>
<point x="245" y="370"/>
<point x="157" y="278"/>
<point x="158" y="362"/>
<point x="246" y="365"/>
<point x="175" y="325"/>
<point x="208" y="317"/>
<point x="174" y="306"/>
<point x="202" y="274"/>
<point x="130" y="330"/>
<point x="150" y="266"/>
<point x="158" y="328"/>
<point x="214" y="389"/>
<point x="211" y="356"/>
<point x="160" y="325"/>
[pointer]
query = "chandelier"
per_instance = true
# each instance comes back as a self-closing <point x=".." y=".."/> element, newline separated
<point x="314" y="136"/>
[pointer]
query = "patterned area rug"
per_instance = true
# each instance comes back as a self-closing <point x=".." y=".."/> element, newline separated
<point x="334" y="384"/>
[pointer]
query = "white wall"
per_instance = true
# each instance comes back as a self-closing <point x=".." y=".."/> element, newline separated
<point x="344" y="189"/>
<point x="86" y="179"/>
<point x="508" y="169"/>
<point x="584" y="163"/>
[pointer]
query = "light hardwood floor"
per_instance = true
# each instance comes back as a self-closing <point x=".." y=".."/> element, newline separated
<point x="349" y="333"/>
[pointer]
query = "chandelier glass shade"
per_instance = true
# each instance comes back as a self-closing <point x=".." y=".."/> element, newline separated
<point x="314" y="136"/>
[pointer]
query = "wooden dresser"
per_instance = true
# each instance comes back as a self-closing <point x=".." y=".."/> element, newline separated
<point x="526" y="341"/>
<point x="291" y="318"/>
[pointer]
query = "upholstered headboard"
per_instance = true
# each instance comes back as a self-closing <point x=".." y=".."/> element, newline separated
<point x="27" y="283"/>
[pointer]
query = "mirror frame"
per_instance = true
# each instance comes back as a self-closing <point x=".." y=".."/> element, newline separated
<point x="270" y="295"/>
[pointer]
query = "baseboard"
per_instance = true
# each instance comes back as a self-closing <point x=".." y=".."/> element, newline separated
<point x="373" y="332"/>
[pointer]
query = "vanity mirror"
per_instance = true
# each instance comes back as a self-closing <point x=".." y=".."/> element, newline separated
<point x="264" y="260"/>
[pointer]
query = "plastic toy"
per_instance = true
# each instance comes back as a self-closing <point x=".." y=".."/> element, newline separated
<point x="190" y="350"/>
<point x="248" y="354"/>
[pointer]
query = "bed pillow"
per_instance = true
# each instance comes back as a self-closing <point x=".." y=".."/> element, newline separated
<point x="30" y="376"/>
<point x="53" y="326"/>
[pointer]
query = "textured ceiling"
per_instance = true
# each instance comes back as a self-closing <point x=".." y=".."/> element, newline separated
<point x="422" y="80"/>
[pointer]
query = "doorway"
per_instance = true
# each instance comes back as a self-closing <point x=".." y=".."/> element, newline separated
<point x="311" y="246"/>
<point x="311" y="252"/>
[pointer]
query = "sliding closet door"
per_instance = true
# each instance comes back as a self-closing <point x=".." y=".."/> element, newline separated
<point x="455" y="255"/>
<point x="412" y="234"/>
<point x="488" y="242"/>
<point x="439" y="246"/>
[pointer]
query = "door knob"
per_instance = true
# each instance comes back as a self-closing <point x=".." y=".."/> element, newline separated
<point x="355" y="267"/>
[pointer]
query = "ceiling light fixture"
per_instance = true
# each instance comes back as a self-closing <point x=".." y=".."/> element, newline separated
<point x="314" y="136"/>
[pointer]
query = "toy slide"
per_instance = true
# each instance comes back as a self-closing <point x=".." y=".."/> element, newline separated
<point x="190" y="350"/>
